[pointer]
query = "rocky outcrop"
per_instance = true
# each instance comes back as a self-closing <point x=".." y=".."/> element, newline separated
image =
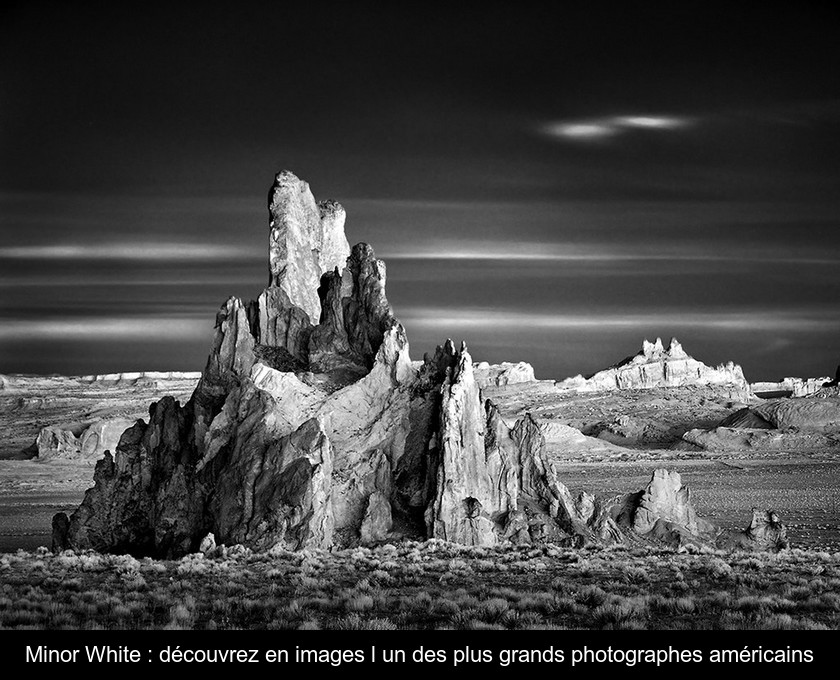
<point x="734" y="439"/>
<point x="655" y="366"/>
<point x="146" y="498"/>
<point x="133" y="378"/>
<point x="794" y="424"/>
<point x="794" y="387"/>
<point x="506" y="373"/>
<point x="93" y="440"/>
<point x="766" y="531"/>
<point x="495" y="483"/>
<point x="355" y="317"/>
<point x="278" y="492"/>
<point x="462" y="510"/>
<point x="55" y="442"/>
<point x="311" y="428"/>
<point x="569" y="442"/>
<point x="822" y="415"/>
<point x="746" y="418"/>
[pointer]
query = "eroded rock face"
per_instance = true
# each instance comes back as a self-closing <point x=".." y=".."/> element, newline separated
<point x="306" y="240"/>
<point x="656" y="366"/>
<point x="146" y="497"/>
<point x="355" y="315"/>
<point x="378" y="519"/>
<point x="506" y="373"/>
<point x="766" y="531"/>
<point x="283" y="325"/>
<point x="665" y="498"/>
<point x="462" y="508"/>
<point x="277" y="492"/>
<point x="302" y="436"/>
<point x="794" y="424"/>
<point x="91" y="444"/>
<point x="796" y="387"/>
<point x="801" y="413"/>
<point x="55" y="442"/>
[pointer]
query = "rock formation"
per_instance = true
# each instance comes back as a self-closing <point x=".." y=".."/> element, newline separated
<point x="306" y="240"/>
<point x="655" y="366"/>
<point x="91" y="442"/>
<point x="506" y="373"/>
<point x="764" y="532"/>
<point x="133" y="378"/>
<point x="829" y="388"/>
<point x="311" y="428"/>
<point x="793" y="387"/>
<point x="792" y="424"/>
<point x="821" y="415"/>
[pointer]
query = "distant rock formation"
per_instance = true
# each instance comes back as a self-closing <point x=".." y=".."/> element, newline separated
<point x="830" y="388"/>
<point x="764" y="532"/>
<point x="794" y="387"/>
<point x="506" y="373"/>
<point x="570" y="440"/>
<point x="311" y="428"/>
<point x="655" y="366"/>
<point x="90" y="443"/>
<point x="821" y="415"/>
<point x="133" y="378"/>
<point x="790" y="424"/>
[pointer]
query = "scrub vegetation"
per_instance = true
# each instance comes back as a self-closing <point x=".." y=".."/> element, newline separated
<point x="430" y="585"/>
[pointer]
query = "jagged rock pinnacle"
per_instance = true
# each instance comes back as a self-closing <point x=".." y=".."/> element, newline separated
<point x="306" y="240"/>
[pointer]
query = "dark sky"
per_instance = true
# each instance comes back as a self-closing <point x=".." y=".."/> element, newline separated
<point x="551" y="185"/>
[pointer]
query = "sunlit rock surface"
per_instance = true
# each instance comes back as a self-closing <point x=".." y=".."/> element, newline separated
<point x="654" y="366"/>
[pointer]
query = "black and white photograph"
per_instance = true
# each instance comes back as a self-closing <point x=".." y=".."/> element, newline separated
<point x="431" y="317"/>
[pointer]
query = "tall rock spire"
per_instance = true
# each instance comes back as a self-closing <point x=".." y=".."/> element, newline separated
<point x="306" y="240"/>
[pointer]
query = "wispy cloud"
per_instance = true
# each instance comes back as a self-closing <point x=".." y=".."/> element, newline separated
<point x="143" y="328"/>
<point x="500" y="319"/>
<point x="610" y="126"/>
<point x="137" y="251"/>
<point x="594" y="252"/>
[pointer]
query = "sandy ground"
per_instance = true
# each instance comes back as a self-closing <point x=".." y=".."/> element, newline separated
<point x="31" y="493"/>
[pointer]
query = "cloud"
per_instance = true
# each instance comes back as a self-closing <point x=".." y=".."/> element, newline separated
<point x="142" y="328"/>
<point x="583" y="130"/>
<point x="137" y="251"/>
<point x="595" y="252"/>
<point x="651" y="122"/>
<point x="497" y="320"/>
<point x="610" y="126"/>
